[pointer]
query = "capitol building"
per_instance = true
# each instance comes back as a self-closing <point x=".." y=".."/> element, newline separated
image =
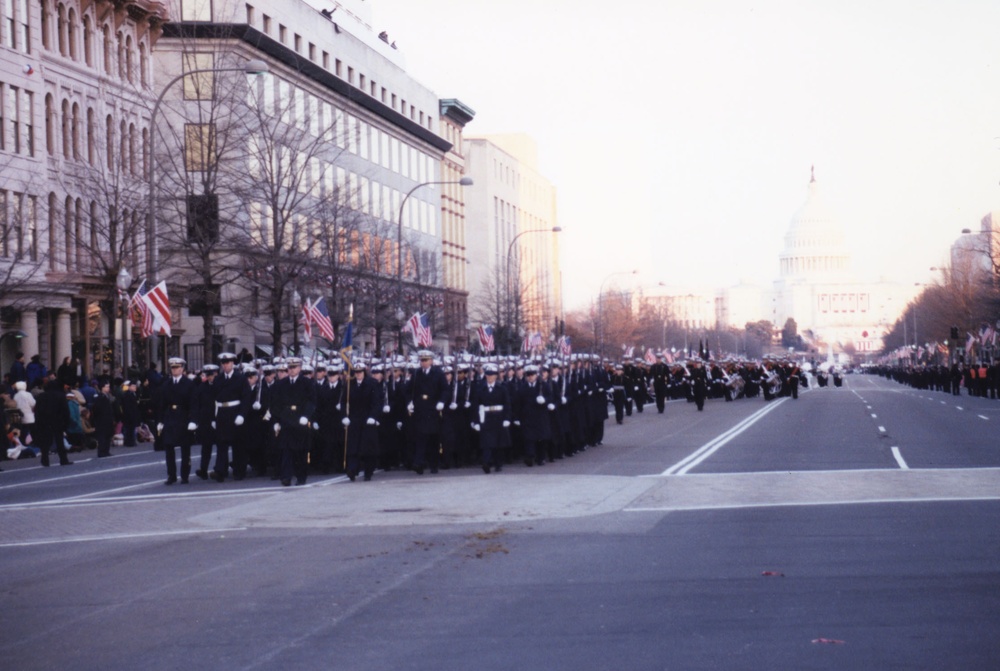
<point x="831" y="307"/>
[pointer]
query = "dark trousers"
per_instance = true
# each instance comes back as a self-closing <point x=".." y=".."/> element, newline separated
<point x="128" y="433"/>
<point x="293" y="462"/>
<point x="661" y="401"/>
<point x="426" y="450"/>
<point x="171" y="454"/>
<point x="103" y="444"/>
<point x="60" y="448"/>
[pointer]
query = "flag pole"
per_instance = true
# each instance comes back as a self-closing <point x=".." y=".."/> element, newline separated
<point x="350" y="378"/>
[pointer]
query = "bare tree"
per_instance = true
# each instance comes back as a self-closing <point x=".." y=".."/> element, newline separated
<point x="22" y="263"/>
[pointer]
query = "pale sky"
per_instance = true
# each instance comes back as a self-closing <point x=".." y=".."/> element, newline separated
<point x="680" y="134"/>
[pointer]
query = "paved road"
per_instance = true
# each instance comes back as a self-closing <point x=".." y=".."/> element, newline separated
<point x="852" y="528"/>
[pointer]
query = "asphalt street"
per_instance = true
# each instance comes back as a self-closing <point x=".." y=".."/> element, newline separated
<point x="851" y="528"/>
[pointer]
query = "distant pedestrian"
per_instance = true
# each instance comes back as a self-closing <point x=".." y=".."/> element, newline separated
<point x="25" y="403"/>
<point x="53" y="421"/>
<point x="104" y="416"/>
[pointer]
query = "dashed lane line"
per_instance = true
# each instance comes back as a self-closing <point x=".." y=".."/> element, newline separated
<point x="899" y="459"/>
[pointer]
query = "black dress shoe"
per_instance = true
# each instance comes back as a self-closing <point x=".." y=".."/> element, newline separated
<point x="434" y="470"/>
<point x="218" y="477"/>
<point x="486" y="469"/>
<point x="65" y="463"/>
<point x="368" y="478"/>
<point x="286" y="483"/>
<point x="419" y="470"/>
<point x="352" y="476"/>
<point x="184" y="481"/>
<point x="45" y="462"/>
<point x="499" y="467"/>
<point x="300" y="483"/>
<point x="202" y="474"/>
<point x="170" y="481"/>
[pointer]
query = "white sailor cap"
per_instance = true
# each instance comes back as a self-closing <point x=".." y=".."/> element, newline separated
<point x="490" y="369"/>
<point x="227" y="356"/>
<point x="210" y="368"/>
<point x="176" y="361"/>
<point x="425" y="354"/>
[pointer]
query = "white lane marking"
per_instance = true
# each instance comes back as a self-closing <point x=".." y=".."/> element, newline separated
<point x="95" y="498"/>
<point x="899" y="459"/>
<point x="100" y="471"/>
<point x="869" y="407"/>
<point x="709" y="448"/>
<point x="983" y="417"/>
<point x="958" y="407"/>
<point x="874" y="416"/>
<point x="881" y="429"/>
<point x="944" y="403"/>
<point x="116" y="537"/>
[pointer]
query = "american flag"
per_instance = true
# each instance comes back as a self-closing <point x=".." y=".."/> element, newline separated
<point x="486" y="343"/>
<point x="970" y="343"/>
<point x="669" y="356"/>
<point x="650" y="356"/>
<point x="628" y="351"/>
<point x="531" y="341"/>
<point x="565" y="348"/>
<point x="321" y="316"/>
<point x="419" y="326"/>
<point x="139" y="313"/>
<point x="307" y="319"/>
<point x="158" y="304"/>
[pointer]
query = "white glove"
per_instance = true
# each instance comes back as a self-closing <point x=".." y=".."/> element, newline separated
<point x="517" y="422"/>
<point x="371" y="421"/>
<point x="303" y="421"/>
<point x="192" y="426"/>
<point x="475" y="427"/>
<point x="551" y="406"/>
<point x="409" y="407"/>
<point x="337" y="407"/>
<point x="540" y="400"/>
<point x="386" y="409"/>
<point x="452" y="406"/>
<point x="506" y="423"/>
<point x="316" y="426"/>
<point x="238" y="421"/>
<point x="213" y="423"/>
<point x="590" y="393"/>
<point x="346" y="421"/>
<point x="468" y="405"/>
<point x="564" y="400"/>
<point x="439" y="407"/>
<point x="267" y="415"/>
<point x="277" y="428"/>
<point x="159" y="427"/>
<point x="256" y="405"/>
<point x="399" y="426"/>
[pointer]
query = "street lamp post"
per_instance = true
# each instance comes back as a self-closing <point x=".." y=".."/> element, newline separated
<point x="509" y="290"/>
<point x="600" y="304"/>
<point x="124" y="281"/>
<point x="250" y="67"/>
<point x="400" y="314"/>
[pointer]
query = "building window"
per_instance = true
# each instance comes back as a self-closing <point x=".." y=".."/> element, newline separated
<point x="196" y="10"/>
<point x="312" y="52"/>
<point x="338" y="68"/>
<point x="326" y="61"/>
<point x="267" y="24"/>
<point x="200" y="85"/>
<point x="282" y="33"/>
<point x="250" y="16"/>
<point x="199" y="149"/>
<point x="88" y="41"/>
<point x="298" y="43"/>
